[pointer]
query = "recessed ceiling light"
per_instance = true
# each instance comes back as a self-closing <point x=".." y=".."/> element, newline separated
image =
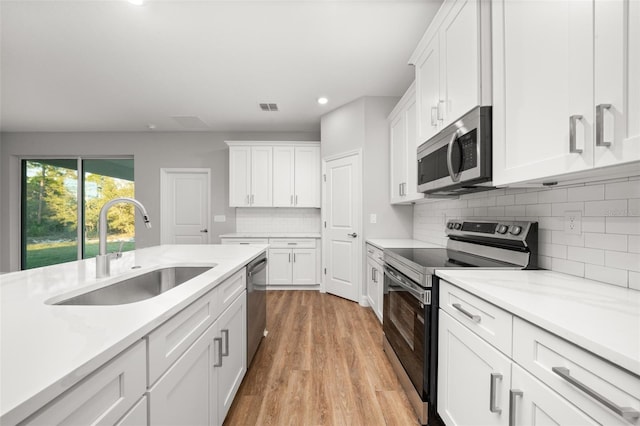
<point x="136" y="2"/>
<point x="323" y="100"/>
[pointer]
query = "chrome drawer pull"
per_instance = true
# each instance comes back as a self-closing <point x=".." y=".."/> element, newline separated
<point x="626" y="413"/>
<point x="492" y="393"/>
<point x="472" y="317"/>
<point x="512" y="405"/>
<point x="600" y="124"/>
<point x="573" y="149"/>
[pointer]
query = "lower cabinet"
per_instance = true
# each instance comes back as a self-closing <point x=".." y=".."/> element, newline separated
<point x="375" y="280"/>
<point x="546" y="381"/>
<point x="199" y="388"/>
<point x="292" y="266"/>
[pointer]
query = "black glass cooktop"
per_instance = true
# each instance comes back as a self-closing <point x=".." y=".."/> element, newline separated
<point x="434" y="258"/>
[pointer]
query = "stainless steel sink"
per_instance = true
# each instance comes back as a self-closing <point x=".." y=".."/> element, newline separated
<point x="138" y="288"/>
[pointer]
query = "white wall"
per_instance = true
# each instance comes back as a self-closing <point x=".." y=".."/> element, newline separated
<point x="607" y="250"/>
<point x="151" y="151"/>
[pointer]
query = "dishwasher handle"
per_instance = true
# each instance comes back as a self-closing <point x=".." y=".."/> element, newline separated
<point x="257" y="267"/>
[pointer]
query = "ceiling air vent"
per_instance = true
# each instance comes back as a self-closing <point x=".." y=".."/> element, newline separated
<point x="269" y="107"/>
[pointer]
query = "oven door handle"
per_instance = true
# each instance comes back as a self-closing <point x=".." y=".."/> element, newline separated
<point x="424" y="296"/>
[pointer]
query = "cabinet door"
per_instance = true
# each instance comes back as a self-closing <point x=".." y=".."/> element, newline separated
<point x="307" y="176"/>
<point x="460" y="72"/>
<point x="379" y="296"/>
<point x="398" y="154"/>
<point x="137" y="416"/>
<point x="539" y="405"/>
<point x="617" y="85"/>
<point x="428" y="90"/>
<point x="239" y="176"/>
<point x="411" y="187"/>
<point x="183" y="396"/>
<point x="283" y="176"/>
<point x="280" y="266"/>
<point x="231" y="363"/>
<point x="543" y="75"/>
<point x="467" y="391"/>
<point x="371" y="283"/>
<point x="261" y="177"/>
<point x="304" y="266"/>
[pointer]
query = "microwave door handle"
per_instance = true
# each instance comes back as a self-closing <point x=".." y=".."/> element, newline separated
<point x="454" y="176"/>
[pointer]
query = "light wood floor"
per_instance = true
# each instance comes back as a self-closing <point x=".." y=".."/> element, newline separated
<point x="322" y="363"/>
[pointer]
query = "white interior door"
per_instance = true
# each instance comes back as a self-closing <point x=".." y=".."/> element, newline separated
<point x="185" y="206"/>
<point x="342" y="213"/>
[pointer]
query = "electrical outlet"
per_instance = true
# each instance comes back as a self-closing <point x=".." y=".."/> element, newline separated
<point x="373" y="218"/>
<point x="573" y="222"/>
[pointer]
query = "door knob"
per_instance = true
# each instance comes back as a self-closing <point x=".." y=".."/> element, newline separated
<point x="353" y="235"/>
<point x="204" y="230"/>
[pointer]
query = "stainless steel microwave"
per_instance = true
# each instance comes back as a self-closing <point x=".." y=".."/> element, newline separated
<point x="458" y="159"/>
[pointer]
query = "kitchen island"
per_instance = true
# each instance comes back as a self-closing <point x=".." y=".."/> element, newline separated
<point x="47" y="349"/>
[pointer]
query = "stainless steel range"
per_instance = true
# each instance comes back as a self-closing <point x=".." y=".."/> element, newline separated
<point x="410" y="314"/>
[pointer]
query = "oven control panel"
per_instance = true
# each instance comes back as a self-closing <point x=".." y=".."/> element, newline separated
<point x="500" y="230"/>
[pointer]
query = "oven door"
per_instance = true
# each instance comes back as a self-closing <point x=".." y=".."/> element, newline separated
<point x="406" y="324"/>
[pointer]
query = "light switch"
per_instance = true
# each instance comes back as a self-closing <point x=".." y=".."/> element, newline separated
<point x="373" y="218"/>
<point x="219" y="218"/>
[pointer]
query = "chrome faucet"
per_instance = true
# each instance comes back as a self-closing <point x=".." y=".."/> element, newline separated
<point x="103" y="258"/>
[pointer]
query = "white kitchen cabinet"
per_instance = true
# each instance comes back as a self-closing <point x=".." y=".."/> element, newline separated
<point x="296" y="176"/>
<point x="546" y="380"/>
<point x="293" y="261"/>
<point x="105" y="395"/>
<point x="375" y="280"/>
<point x="473" y="377"/>
<point x="403" y="171"/>
<point x="184" y="395"/>
<point x="452" y="65"/>
<point x="250" y="174"/>
<point x="553" y="81"/>
<point x="137" y="416"/>
<point x="230" y="364"/>
<point x="274" y="174"/>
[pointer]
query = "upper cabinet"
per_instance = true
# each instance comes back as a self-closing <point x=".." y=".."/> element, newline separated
<point x="452" y="65"/>
<point x="274" y="174"/>
<point x="403" y="150"/>
<point x="565" y="99"/>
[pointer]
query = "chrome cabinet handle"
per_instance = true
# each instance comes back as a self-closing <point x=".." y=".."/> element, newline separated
<point x="225" y="336"/>
<point x="374" y="275"/>
<point x="434" y="116"/>
<point x="370" y="251"/>
<point x="248" y="200"/>
<point x="289" y="257"/>
<point x="454" y="176"/>
<point x="291" y="202"/>
<point x="626" y="413"/>
<point x="352" y="235"/>
<point x="218" y="340"/>
<point x="513" y="393"/>
<point x="572" y="134"/>
<point x="296" y="201"/>
<point x="492" y="393"/>
<point x="441" y="110"/>
<point x="399" y="189"/>
<point x="472" y="317"/>
<point x="294" y="257"/>
<point x="600" y="125"/>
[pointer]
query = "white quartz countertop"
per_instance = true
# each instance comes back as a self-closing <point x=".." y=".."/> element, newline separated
<point x="601" y="318"/>
<point x="46" y="349"/>
<point x="389" y="243"/>
<point x="272" y="235"/>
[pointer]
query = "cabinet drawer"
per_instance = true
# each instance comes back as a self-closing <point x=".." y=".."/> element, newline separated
<point x="229" y="290"/>
<point x="488" y="321"/>
<point x="171" y="339"/>
<point x="375" y="253"/>
<point x="137" y="416"/>
<point x="102" y="398"/>
<point x="244" y="241"/>
<point x="594" y="379"/>
<point x="292" y="243"/>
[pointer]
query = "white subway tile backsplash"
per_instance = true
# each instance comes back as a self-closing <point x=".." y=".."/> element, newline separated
<point x="608" y="275"/>
<point x="622" y="190"/>
<point x="634" y="280"/>
<point x="277" y="220"/>
<point x="605" y="208"/>
<point x="621" y="260"/>
<point x="568" y="266"/>
<point x="606" y="241"/>
<point x="553" y="196"/>
<point x="586" y="255"/>
<point x="607" y="250"/>
<point x="623" y="225"/>
<point x="586" y="193"/>
<point x="527" y="198"/>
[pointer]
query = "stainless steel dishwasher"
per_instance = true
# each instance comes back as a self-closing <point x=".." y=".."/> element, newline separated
<point x="256" y="304"/>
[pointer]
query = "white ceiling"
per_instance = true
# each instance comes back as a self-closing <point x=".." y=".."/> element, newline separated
<point x="111" y="66"/>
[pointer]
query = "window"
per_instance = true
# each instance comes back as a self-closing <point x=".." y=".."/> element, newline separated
<point x="59" y="194"/>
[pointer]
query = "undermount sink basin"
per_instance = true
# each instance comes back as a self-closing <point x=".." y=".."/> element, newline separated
<point x="138" y="288"/>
